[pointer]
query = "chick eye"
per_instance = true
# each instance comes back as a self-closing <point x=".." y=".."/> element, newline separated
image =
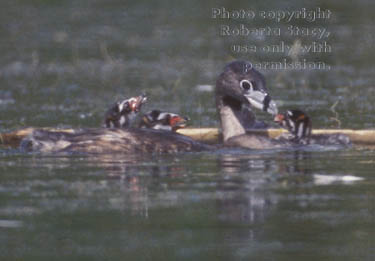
<point x="246" y="85"/>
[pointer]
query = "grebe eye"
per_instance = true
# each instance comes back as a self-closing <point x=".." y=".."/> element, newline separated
<point x="246" y="85"/>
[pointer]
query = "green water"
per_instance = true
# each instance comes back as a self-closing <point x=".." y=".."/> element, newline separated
<point x="63" y="63"/>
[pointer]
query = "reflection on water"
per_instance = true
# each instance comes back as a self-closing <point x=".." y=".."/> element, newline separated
<point x="247" y="204"/>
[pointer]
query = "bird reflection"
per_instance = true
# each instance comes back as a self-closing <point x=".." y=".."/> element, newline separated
<point x="251" y="178"/>
<point x="239" y="185"/>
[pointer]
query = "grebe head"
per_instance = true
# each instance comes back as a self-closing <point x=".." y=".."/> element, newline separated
<point x="134" y="104"/>
<point x="122" y="114"/>
<point x="241" y="85"/>
<point x="296" y="122"/>
<point x="160" y="120"/>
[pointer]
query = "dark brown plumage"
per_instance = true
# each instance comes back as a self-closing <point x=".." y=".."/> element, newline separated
<point x="102" y="140"/>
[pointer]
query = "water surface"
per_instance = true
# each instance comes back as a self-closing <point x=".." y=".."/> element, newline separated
<point x="64" y="63"/>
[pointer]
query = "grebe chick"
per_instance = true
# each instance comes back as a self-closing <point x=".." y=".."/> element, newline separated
<point x="122" y="114"/>
<point x="300" y="127"/>
<point x="297" y="123"/>
<point x="160" y="120"/>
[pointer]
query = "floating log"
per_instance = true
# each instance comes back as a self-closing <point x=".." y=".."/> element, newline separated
<point x="208" y="135"/>
<point x="212" y="135"/>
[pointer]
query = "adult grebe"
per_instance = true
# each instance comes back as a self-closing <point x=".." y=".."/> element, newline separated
<point x="238" y="89"/>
